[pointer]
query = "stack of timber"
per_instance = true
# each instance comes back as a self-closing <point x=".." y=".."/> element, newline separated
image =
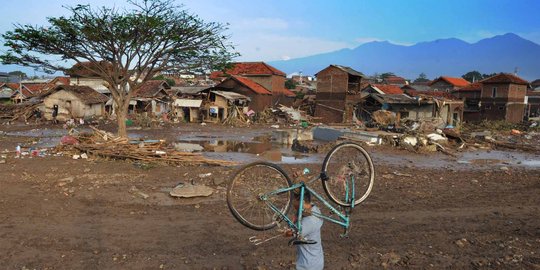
<point x="105" y="144"/>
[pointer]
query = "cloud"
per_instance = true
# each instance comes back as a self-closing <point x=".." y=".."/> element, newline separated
<point x="269" y="47"/>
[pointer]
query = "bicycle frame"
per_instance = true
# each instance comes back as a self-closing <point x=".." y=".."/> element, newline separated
<point x="343" y="220"/>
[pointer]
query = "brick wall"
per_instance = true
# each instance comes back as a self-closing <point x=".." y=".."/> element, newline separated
<point x="330" y="111"/>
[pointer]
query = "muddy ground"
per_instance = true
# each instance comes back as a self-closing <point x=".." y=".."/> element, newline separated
<point x="60" y="213"/>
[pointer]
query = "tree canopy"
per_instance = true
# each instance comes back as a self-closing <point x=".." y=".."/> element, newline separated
<point x="421" y="78"/>
<point x="137" y="44"/>
<point x="474" y="76"/>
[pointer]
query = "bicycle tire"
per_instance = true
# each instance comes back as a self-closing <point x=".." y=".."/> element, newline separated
<point x="332" y="177"/>
<point x="245" y="183"/>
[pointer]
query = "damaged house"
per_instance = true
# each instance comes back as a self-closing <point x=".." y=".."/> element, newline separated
<point x="151" y="97"/>
<point x="268" y="77"/>
<point x="338" y="92"/>
<point x="441" y="110"/>
<point x="74" y="102"/>
<point x="470" y="95"/>
<point x="260" y="97"/>
<point x="222" y="104"/>
<point x="187" y="102"/>
<point x="83" y="74"/>
<point x="503" y="98"/>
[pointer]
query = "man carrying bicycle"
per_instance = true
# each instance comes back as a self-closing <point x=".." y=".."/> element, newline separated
<point x="309" y="251"/>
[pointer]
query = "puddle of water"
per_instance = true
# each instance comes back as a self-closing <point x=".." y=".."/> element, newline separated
<point x="496" y="157"/>
<point x="531" y="163"/>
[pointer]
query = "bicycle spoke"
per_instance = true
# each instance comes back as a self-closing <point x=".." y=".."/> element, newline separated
<point x="247" y="187"/>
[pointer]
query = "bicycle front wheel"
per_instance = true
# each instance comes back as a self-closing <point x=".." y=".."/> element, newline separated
<point x="349" y="174"/>
<point x="245" y="190"/>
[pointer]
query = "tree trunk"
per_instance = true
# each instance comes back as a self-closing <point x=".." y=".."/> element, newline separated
<point x="121" y="119"/>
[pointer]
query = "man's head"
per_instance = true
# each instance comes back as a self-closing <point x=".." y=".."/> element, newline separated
<point x="307" y="200"/>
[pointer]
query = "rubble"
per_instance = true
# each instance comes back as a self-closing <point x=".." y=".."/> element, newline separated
<point x="12" y="112"/>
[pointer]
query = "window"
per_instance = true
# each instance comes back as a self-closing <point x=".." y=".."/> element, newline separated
<point x="494" y="92"/>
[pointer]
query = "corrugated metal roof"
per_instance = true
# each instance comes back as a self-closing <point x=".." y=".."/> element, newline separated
<point x="191" y="103"/>
<point x="349" y="70"/>
<point x="189" y="90"/>
<point x="231" y="95"/>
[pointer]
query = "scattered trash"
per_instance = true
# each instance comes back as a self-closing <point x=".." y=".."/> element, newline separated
<point x="409" y="140"/>
<point x="436" y="137"/>
<point x="69" y="140"/>
<point x="203" y="175"/>
<point x="274" y="126"/>
<point x="402" y="174"/>
<point x="461" y="242"/>
<point x="76" y="156"/>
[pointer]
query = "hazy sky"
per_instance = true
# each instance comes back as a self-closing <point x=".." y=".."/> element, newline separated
<point x="281" y="29"/>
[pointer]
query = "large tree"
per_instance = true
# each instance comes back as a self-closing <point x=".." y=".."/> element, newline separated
<point x="472" y="76"/>
<point x="421" y="78"/>
<point x="136" y="44"/>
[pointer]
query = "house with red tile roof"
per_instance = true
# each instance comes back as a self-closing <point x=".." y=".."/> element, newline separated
<point x="29" y="89"/>
<point x="338" y="92"/>
<point x="503" y="98"/>
<point x="447" y="84"/>
<point x="263" y="74"/>
<point x="383" y="89"/>
<point x="395" y="80"/>
<point x="260" y="97"/>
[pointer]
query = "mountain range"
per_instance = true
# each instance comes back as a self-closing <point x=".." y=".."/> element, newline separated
<point x="450" y="57"/>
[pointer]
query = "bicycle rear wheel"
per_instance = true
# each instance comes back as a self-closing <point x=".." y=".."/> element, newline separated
<point x="245" y="190"/>
<point x="347" y="167"/>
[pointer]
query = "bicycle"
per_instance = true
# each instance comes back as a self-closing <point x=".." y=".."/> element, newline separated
<point x="259" y="194"/>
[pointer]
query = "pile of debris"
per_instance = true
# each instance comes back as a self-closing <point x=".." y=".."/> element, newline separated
<point x="236" y="118"/>
<point x="12" y="112"/>
<point x="105" y="144"/>
<point x="282" y="114"/>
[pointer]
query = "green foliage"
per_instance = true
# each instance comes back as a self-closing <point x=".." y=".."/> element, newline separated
<point x="134" y="43"/>
<point x="290" y="84"/>
<point x="474" y="76"/>
<point x="387" y="74"/>
<point x="154" y="36"/>
<point x="421" y="78"/>
<point x="170" y="81"/>
<point x="18" y="74"/>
